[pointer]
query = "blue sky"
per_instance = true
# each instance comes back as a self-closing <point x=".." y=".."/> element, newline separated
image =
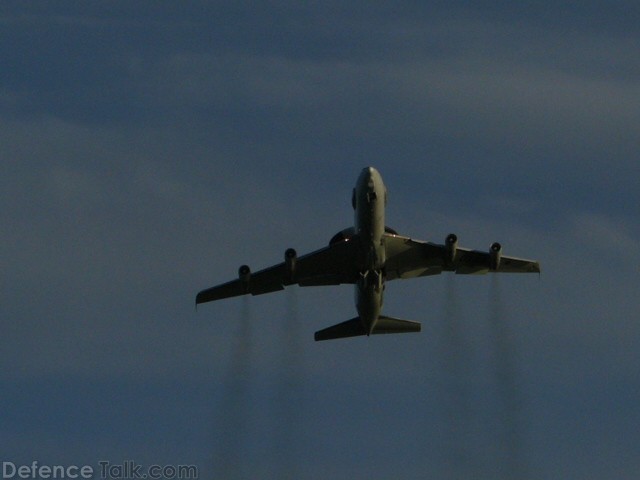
<point x="149" y="150"/>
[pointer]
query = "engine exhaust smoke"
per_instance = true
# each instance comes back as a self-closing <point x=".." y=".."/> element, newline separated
<point x="509" y="397"/>
<point x="233" y="410"/>
<point x="288" y="395"/>
<point x="457" y="396"/>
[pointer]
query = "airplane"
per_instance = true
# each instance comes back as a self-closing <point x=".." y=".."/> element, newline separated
<point x="367" y="255"/>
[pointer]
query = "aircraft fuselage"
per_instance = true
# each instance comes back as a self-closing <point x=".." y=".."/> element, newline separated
<point x="370" y="197"/>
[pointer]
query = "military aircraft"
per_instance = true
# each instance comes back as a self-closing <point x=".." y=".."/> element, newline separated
<point x="368" y="255"/>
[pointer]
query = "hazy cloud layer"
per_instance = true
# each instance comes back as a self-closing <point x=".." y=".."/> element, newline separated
<point x="148" y="152"/>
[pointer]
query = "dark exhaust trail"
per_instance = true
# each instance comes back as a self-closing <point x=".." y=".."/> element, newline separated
<point x="233" y="409"/>
<point x="457" y="400"/>
<point x="512" y="464"/>
<point x="288" y="395"/>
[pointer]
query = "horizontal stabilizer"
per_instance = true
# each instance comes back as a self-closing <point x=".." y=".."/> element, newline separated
<point x="395" y="325"/>
<point x="350" y="328"/>
<point x="354" y="328"/>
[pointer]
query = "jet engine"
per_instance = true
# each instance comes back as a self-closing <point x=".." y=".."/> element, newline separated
<point x="290" y="257"/>
<point x="451" y="244"/>
<point x="494" y="256"/>
<point x="244" y="273"/>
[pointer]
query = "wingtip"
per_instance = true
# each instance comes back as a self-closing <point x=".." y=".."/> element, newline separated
<point x="200" y="297"/>
<point x="199" y="300"/>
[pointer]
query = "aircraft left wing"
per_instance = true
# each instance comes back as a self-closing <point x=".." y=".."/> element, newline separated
<point x="408" y="258"/>
<point x="331" y="265"/>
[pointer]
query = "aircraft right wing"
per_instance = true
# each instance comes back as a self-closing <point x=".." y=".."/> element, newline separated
<point x="408" y="258"/>
<point x="331" y="265"/>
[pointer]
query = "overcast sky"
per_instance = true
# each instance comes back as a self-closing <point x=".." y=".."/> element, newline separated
<point x="149" y="149"/>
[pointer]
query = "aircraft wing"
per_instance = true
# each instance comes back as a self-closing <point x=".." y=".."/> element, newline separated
<point x="331" y="265"/>
<point x="408" y="258"/>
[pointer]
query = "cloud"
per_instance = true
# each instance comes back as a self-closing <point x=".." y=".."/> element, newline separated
<point x="613" y="236"/>
<point x="539" y="106"/>
<point x="109" y="240"/>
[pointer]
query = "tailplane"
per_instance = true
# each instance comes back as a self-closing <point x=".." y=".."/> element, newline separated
<point x="354" y="328"/>
<point x="395" y="325"/>
<point x="350" y="328"/>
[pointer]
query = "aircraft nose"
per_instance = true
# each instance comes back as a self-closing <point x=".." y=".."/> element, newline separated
<point x="368" y="176"/>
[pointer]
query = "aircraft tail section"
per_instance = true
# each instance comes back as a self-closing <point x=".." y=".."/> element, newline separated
<point x="354" y="328"/>
<point x="395" y="325"/>
<point x="350" y="328"/>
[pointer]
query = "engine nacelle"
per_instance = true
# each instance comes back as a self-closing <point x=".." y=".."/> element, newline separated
<point x="290" y="257"/>
<point x="494" y="256"/>
<point x="451" y="244"/>
<point x="244" y="274"/>
<point x="343" y="235"/>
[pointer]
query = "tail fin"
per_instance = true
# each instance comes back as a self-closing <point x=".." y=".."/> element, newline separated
<point x="354" y="328"/>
